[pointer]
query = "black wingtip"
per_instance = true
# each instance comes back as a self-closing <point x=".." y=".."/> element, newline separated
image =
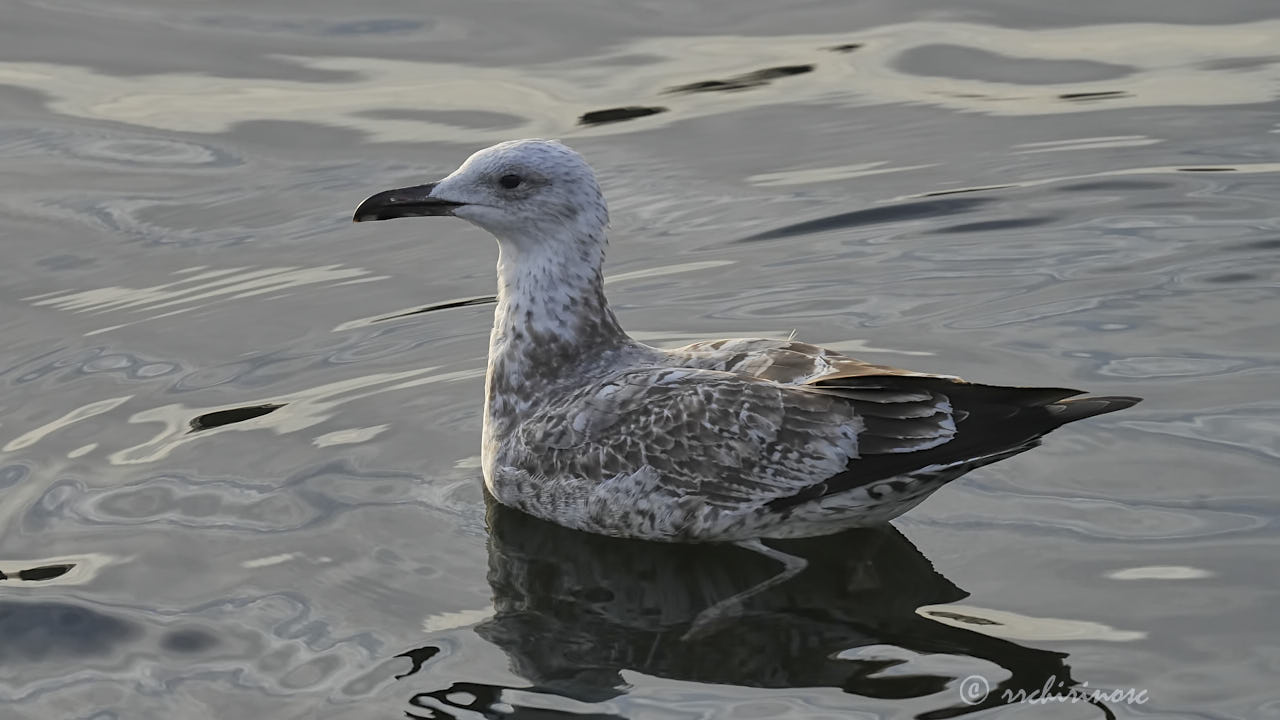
<point x="1079" y="408"/>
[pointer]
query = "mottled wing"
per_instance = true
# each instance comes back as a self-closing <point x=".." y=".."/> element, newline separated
<point x="982" y="423"/>
<point x="728" y="438"/>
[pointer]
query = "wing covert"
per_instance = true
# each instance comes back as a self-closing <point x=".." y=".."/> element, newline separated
<point x="726" y="437"/>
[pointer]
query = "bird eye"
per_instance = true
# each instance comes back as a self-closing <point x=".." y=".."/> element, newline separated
<point x="509" y="181"/>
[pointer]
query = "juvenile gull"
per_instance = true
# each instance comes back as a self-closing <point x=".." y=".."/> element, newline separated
<point x="724" y="440"/>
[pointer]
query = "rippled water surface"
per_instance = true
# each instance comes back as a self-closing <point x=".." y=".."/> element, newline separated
<point x="239" y="434"/>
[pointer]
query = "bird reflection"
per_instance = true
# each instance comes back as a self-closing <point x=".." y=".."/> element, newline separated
<point x="573" y="610"/>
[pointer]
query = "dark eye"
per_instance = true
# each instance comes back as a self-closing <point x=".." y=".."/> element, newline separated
<point x="509" y="181"/>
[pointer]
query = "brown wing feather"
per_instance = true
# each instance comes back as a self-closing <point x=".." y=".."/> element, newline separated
<point x="728" y="438"/>
<point x="992" y="423"/>
<point x="781" y="422"/>
<point x="784" y="361"/>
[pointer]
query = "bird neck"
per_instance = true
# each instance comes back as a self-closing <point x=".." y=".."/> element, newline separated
<point x="551" y="312"/>
<point x="552" y="323"/>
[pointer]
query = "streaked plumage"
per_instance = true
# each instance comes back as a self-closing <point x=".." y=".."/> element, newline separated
<point x="726" y="440"/>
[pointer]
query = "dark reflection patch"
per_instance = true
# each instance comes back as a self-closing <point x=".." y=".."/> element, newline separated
<point x="1206" y="169"/>
<point x="1100" y="95"/>
<point x="1269" y="244"/>
<point x="575" y="613"/>
<point x="33" y="632"/>
<point x="481" y="300"/>
<point x="875" y="216"/>
<point x="599" y="117"/>
<point x="418" y="656"/>
<point x="993" y="225"/>
<point x="1233" y="277"/>
<point x="188" y="640"/>
<point x="45" y="572"/>
<point x="1116" y="185"/>
<point x="228" y="417"/>
<point x="744" y="81"/>
<point x="961" y="191"/>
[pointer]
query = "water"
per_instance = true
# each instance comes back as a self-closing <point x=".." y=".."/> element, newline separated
<point x="238" y="433"/>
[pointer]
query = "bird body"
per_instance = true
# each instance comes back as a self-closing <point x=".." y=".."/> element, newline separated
<point x="725" y="440"/>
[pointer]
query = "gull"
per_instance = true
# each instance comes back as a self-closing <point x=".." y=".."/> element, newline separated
<point x="733" y="440"/>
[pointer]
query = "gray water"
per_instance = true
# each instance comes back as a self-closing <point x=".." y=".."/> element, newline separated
<point x="238" y="471"/>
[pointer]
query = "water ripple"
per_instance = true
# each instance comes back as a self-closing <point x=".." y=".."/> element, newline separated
<point x="127" y="150"/>
<point x="1178" y="65"/>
